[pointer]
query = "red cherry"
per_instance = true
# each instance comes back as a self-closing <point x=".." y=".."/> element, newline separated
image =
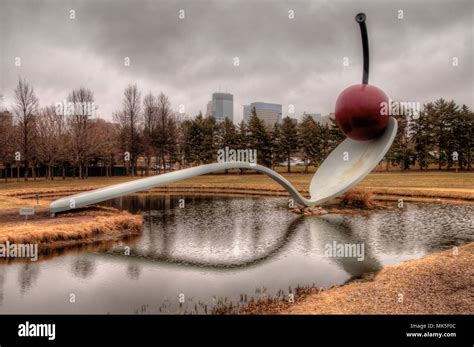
<point x="358" y="108"/>
<point x="358" y="112"/>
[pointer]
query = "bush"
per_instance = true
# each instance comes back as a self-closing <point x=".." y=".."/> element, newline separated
<point x="354" y="198"/>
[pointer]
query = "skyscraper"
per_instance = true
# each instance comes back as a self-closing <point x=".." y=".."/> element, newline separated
<point x="270" y="114"/>
<point x="209" y="109"/>
<point x="247" y="112"/>
<point x="223" y="106"/>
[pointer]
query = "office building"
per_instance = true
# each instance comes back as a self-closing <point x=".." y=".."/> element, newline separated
<point x="223" y="106"/>
<point x="209" y="108"/>
<point x="270" y="114"/>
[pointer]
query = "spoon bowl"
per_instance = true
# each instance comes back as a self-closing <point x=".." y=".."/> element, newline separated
<point x="349" y="163"/>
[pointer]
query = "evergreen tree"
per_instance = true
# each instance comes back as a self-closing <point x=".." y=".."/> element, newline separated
<point x="242" y="141"/>
<point x="441" y="116"/>
<point x="210" y="144"/>
<point x="333" y="136"/>
<point x="259" y="139"/>
<point x="289" y="139"/>
<point x="310" y="142"/>
<point x="401" y="151"/>
<point x="193" y="137"/>
<point x="421" y="137"/>
<point x="463" y="128"/>
<point x="278" y="156"/>
<point x="241" y="136"/>
<point x="227" y="134"/>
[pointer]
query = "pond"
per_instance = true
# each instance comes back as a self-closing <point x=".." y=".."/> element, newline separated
<point x="220" y="250"/>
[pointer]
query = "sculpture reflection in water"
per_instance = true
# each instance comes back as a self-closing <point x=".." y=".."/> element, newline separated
<point x="242" y="243"/>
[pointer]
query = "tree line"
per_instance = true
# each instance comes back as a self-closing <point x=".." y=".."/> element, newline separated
<point x="146" y="135"/>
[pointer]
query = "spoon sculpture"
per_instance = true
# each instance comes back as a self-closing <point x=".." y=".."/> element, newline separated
<point x="370" y="136"/>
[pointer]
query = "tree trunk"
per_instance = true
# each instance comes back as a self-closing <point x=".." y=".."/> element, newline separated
<point x="469" y="158"/>
<point x="147" y="163"/>
<point x="26" y="171"/>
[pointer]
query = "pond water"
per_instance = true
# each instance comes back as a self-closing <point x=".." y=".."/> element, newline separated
<point x="220" y="249"/>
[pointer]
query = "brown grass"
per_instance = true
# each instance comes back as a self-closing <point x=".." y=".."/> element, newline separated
<point x="81" y="225"/>
<point x="430" y="185"/>
<point x="357" y="198"/>
<point x="440" y="283"/>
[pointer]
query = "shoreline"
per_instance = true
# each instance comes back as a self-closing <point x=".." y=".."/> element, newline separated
<point x="68" y="230"/>
<point x="386" y="194"/>
<point x="438" y="283"/>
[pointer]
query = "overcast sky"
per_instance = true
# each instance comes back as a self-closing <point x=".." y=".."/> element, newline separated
<point x="289" y="61"/>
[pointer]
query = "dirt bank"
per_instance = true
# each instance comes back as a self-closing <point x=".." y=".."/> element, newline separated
<point x="440" y="283"/>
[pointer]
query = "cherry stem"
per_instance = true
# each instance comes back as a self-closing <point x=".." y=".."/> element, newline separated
<point x="360" y="18"/>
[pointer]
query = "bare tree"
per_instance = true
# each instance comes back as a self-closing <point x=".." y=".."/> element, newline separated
<point x="105" y="135"/>
<point x="79" y="122"/>
<point x="129" y="123"/>
<point x="165" y="132"/>
<point x="51" y="138"/>
<point x="150" y="115"/>
<point x="7" y="146"/>
<point x="25" y="109"/>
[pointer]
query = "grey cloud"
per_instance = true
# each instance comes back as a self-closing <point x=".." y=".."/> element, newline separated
<point x="287" y="61"/>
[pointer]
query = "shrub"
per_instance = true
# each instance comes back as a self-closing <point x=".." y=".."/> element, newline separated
<point x="357" y="198"/>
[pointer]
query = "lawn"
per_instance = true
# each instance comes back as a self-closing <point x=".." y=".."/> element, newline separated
<point x="432" y="183"/>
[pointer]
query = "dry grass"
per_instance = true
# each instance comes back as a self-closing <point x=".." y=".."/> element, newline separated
<point x="7" y="202"/>
<point x="357" y="198"/>
<point x="441" y="283"/>
<point x="71" y="227"/>
<point x="442" y="193"/>
<point x="424" y="185"/>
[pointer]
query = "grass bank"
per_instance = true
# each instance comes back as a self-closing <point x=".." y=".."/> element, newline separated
<point x="76" y="228"/>
<point x="412" y="186"/>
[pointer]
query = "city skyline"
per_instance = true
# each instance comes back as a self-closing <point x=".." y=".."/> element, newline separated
<point x="295" y="61"/>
